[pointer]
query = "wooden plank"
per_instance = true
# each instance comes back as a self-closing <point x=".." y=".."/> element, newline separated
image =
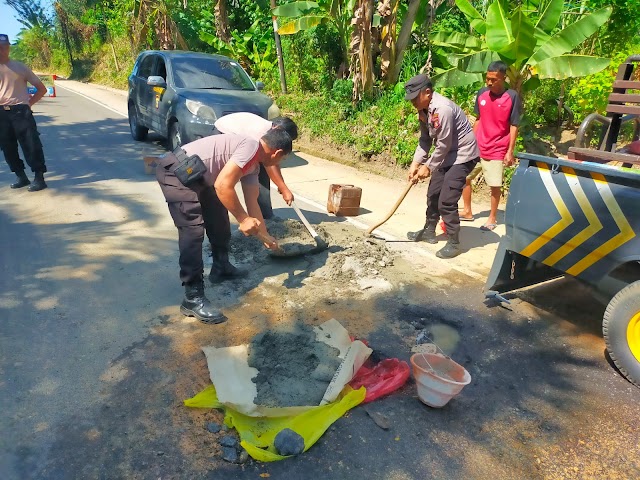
<point x="624" y="109"/>
<point x="628" y="84"/>
<point x="624" y="98"/>
<point x="589" y="155"/>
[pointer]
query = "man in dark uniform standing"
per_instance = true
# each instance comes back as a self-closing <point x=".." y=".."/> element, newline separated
<point x="228" y="159"/>
<point x="444" y="125"/>
<point x="16" y="119"/>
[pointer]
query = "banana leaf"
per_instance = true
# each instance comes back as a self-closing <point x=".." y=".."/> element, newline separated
<point x="550" y="16"/>
<point x="455" y="78"/>
<point x="499" y="33"/>
<point x="523" y="32"/>
<point x="572" y="36"/>
<point x="570" y="66"/>
<point x="457" y="39"/>
<point x="476" y="62"/>
<point x="302" y="23"/>
<point x="294" y="9"/>
<point x="531" y="84"/>
<point x="541" y="37"/>
<point x="477" y="22"/>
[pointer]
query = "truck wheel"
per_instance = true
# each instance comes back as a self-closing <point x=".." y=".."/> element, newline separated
<point x="138" y="132"/>
<point x="621" y="328"/>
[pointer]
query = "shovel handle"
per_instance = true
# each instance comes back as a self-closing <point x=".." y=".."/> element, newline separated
<point x="265" y="239"/>
<point x="304" y="220"/>
<point x="393" y="210"/>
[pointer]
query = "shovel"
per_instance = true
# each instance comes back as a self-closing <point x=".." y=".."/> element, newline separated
<point x="298" y="249"/>
<point x="320" y="243"/>
<point x="393" y="210"/>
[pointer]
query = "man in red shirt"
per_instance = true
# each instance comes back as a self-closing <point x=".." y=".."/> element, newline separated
<point x="498" y="110"/>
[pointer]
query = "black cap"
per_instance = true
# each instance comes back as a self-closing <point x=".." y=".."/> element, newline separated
<point x="4" y="39"/>
<point x="415" y="85"/>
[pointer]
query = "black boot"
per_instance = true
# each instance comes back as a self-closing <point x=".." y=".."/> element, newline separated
<point x="222" y="269"/>
<point x="38" y="183"/>
<point x="23" y="180"/>
<point x="427" y="234"/>
<point x="195" y="304"/>
<point x="451" y="249"/>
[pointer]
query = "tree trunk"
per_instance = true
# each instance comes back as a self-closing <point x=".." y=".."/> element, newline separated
<point x="361" y="59"/>
<point x="62" y="18"/>
<point x="222" y="21"/>
<point x="403" y="40"/>
<point x="388" y="11"/>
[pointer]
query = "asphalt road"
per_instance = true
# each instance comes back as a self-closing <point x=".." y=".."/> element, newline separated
<point x="88" y="297"/>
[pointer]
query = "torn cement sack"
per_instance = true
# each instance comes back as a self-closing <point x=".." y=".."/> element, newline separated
<point x="257" y="435"/>
<point x="231" y="374"/>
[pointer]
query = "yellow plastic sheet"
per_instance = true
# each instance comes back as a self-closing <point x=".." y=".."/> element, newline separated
<point x="258" y="433"/>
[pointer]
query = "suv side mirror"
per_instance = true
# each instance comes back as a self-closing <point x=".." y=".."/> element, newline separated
<point x="156" y="81"/>
<point x="260" y="85"/>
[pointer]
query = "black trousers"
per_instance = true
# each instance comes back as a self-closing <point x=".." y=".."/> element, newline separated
<point x="264" y="196"/>
<point x="194" y="212"/>
<point x="444" y="192"/>
<point x="17" y="125"/>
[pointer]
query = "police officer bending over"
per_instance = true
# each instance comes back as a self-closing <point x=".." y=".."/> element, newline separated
<point x="226" y="160"/>
<point x="16" y="119"/>
<point x="254" y="126"/>
<point x="444" y="125"/>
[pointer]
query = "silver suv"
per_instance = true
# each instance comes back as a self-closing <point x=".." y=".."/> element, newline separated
<point x="181" y="94"/>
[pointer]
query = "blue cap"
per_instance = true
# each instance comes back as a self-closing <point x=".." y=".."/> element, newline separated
<point x="4" y="39"/>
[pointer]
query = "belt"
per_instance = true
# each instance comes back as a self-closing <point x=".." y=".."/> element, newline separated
<point x="180" y="154"/>
<point x="172" y="158"/>
<point x="14" y="107"/>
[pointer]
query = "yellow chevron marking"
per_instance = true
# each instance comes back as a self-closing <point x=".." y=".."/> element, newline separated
<point x="565" y="216"/>
<point x="590" y="230"/>
<point x="626" y="232"/>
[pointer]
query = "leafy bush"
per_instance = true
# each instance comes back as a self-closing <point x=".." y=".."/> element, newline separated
<point x="590" y="94"/>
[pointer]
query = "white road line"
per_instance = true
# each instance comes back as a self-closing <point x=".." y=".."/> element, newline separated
<point x="93" y="100"/>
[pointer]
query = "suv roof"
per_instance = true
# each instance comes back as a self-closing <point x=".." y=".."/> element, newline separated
<point x="184" y="54"/>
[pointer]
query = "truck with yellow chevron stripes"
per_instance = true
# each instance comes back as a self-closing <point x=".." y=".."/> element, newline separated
<point x="578" y="219"/>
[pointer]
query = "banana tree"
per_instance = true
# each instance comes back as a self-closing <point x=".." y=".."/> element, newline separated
<point x="530" y="43"/>
<point x="303" y="15"/>
<point x="253" y="48"/>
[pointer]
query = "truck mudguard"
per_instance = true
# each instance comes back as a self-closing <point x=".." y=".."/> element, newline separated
<point x="566" y="217"/>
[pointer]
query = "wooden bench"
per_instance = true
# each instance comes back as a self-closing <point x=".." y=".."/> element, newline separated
<point x="623" y="106"/>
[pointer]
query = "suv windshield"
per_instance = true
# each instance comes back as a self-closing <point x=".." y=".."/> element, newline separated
<point x="215" y="73"/>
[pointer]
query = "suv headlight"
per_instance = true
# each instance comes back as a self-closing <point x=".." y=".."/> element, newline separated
<point x="201" y="111"/>
<point x="273" y="111"/>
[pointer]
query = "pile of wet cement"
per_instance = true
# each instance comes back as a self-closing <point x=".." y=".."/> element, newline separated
<point x="357" y="258"/>
<point x="294" y="369"/>
<point x="292" y="237"/>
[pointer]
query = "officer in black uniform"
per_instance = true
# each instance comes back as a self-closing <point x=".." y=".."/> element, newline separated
<point x="16" y="119"/>
<point x="444" y="125"/>
<point x="228" y="159"/>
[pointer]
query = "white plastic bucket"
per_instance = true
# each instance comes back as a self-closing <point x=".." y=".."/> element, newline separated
<point x="438" y="378"/>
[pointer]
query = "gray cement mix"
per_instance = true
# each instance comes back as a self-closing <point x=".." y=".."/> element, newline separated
<point x="292" y="236"/>
<point x="294" y="369"/>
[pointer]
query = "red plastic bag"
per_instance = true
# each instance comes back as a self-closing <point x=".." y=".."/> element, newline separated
<point x="385" y="377"/>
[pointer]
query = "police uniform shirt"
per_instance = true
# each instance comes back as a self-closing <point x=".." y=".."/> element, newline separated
<point x="244" y="123"/>
<point x="449" y="131"/>
<point x="217" y="150"/>
<point x="13" y="83"/>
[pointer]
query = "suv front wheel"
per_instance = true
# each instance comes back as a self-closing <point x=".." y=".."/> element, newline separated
<point x="175" y="139"/>
<point x="138" y="132"/>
